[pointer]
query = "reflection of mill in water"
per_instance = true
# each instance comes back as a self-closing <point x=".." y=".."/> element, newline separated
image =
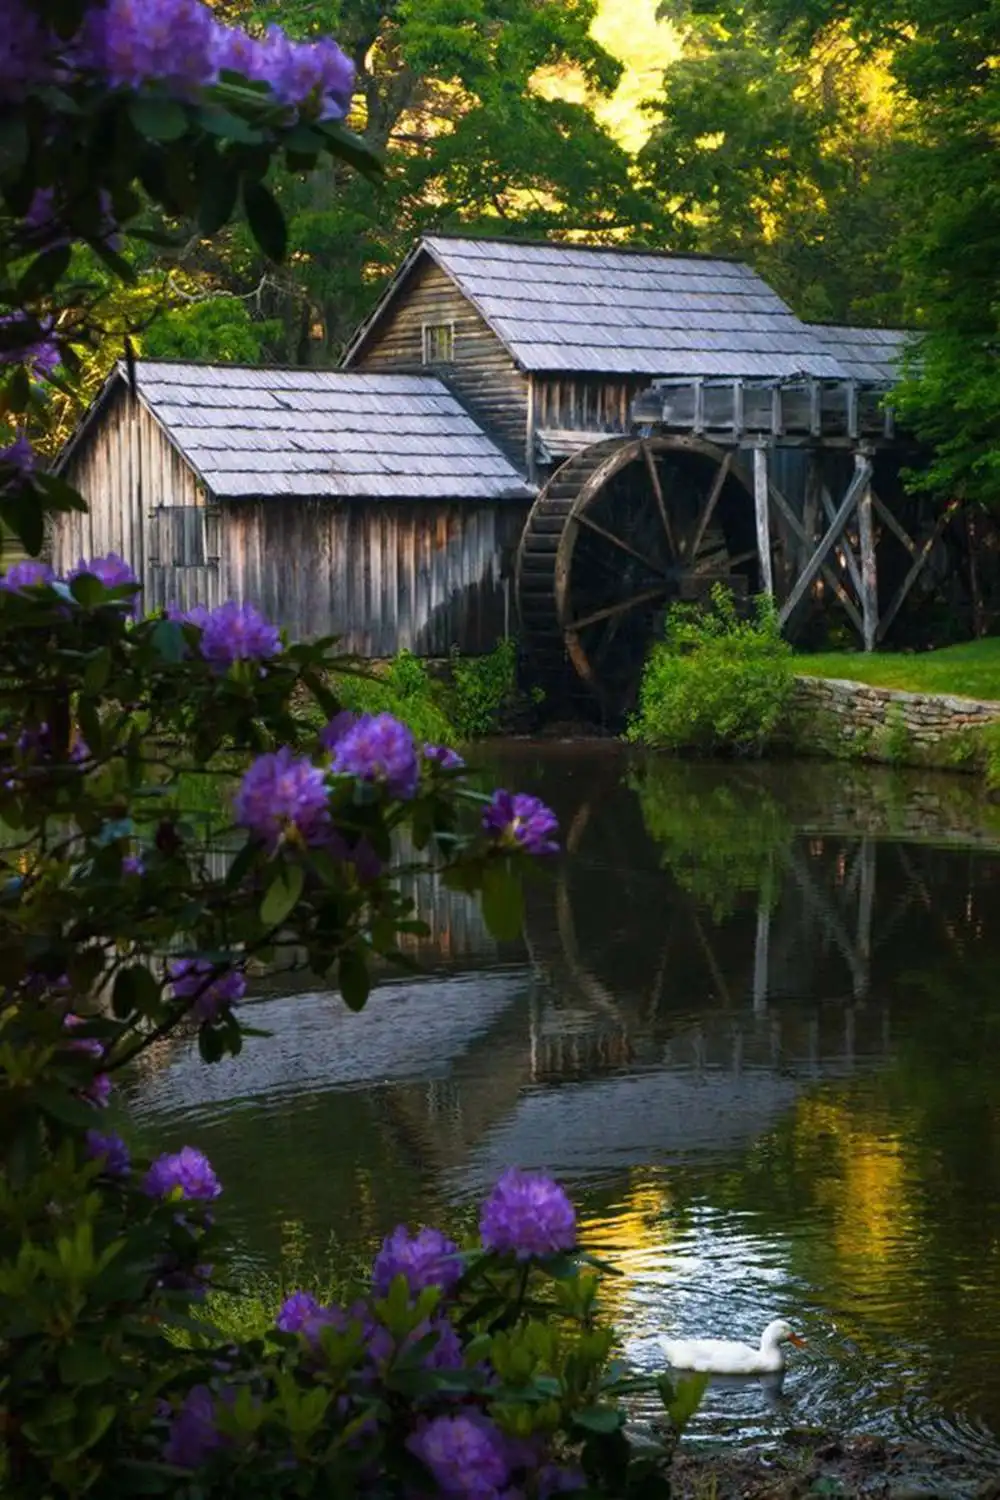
<point x="654" y="1031"/>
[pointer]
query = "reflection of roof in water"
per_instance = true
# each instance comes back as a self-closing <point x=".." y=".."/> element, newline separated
<point x="407" y="1030"/>
<point x="609" y="1125"/>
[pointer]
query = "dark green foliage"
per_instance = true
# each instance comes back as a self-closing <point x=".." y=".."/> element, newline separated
<point x="484" y="691"/>
<point x="716" y="682"/>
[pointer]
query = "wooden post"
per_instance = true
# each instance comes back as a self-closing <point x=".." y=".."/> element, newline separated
<point x="763" y="523"/>
<point x="866" y="536"/>
<point x="761" y="955"/>
<point x="810" y="506"/>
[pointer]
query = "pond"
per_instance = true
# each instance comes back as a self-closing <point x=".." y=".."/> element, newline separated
<point x="753" y="1025"/>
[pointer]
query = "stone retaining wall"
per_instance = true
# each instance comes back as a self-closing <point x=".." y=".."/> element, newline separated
<point x="835" y="716"/>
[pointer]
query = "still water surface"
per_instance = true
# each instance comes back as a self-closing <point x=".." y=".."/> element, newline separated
<point x="754" y="1025"/>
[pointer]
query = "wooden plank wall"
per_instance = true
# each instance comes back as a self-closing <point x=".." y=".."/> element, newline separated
<point x="382" y="575"/>
<point x="144" y="503"/>
<point x="483" y="375"/>
<point x="586" y="402"/>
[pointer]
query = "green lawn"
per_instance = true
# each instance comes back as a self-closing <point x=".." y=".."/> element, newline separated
<point x="970" y="671"/>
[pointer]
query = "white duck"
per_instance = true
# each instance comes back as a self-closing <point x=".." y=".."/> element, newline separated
<point x="728" y="1357"/>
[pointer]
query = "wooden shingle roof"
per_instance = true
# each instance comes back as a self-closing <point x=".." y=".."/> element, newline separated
<point x="326" y="433"/>
<point x="866" y="353"/>
<point x="562" y="308"/>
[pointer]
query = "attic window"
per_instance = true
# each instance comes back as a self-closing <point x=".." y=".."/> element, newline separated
<point x="439" y="343"/>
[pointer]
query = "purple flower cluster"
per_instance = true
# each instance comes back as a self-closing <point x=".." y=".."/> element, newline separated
<point x="236" y="632"/>
<point x="527" y="1214"/>
<point x="41" y="355"/>
<point x="179" y="45"/>
<point x="284" y="796"/>
<point x="111" y="1151"/>
<point x="427" y="1258"/>
<point x="25" y="575"/>
<point x="98" y="1091"/>
<point x="187" y="1172"/>
<point x="194" y="1434"/>
<point x="44" y="223"/>
<point x="466" y="1454"/>
<point x="516" y="821"/>
<point x="213" y="993"/>
<point x="331" y="734"/>
<point x="382" y="751"/>
<point x="112" y="571"/>
<point x="132" y="865"/>
<point x="19" y="456"/>
<point x="444" y="758"/>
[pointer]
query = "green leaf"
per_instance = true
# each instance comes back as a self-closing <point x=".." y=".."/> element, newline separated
<point x="14" y="143"/>
<point x="87" y="590"/>
<point x="228" y="126"/>
<point x="503" y="902"/>
<point x="136" y="992"/>
<point x="43" y="273"/>
<point x="218" y="184"/>
<point x="353" y="979"/>
<point x="603" y="1419"/>
<point x="167" y="638"/>
<point x="97" y="671"/>
<point x="685" y="1399"/>
<point x="84" y="1364"/>
<point x="351" y="148"/>
<point x="282" y="894"/>
<point x="158" y="119"/>
<point x="267" y="222"/>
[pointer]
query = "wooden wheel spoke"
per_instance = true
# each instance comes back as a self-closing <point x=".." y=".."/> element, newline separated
<point x="616" y="541"/>
<point x="701" y="525"/>
<point x="661" y="504"/>
<point x="649" y="596"/>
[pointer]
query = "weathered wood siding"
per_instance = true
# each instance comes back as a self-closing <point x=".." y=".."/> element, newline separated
<point x="145" y="503"/>
<point x="592" y="403"/>
<point x="483" y="374"/>
<point x="383" y="576"/>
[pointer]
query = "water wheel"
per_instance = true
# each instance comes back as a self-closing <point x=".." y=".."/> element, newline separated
<point x="621" y="530"/>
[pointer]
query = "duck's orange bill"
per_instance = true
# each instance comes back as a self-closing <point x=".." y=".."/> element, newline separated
<point x="793" y="1338"/>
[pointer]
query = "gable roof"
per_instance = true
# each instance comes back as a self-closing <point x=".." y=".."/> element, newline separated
<point x="561" y="308"/>
<point x="251" y="432"/>
<point x="867" y="353"/>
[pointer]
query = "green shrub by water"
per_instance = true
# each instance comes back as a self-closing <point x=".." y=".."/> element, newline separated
<point x="716" y="682"/>
<point x="484" y="690"/>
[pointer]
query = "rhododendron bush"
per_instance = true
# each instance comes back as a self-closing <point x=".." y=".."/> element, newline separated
<point x="479" y="1370"/>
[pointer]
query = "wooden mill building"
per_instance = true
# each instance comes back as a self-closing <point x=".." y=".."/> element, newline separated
<point x="556" y="439"/>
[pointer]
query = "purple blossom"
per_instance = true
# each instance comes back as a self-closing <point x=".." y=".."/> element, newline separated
<point x="196" y="615"/>
<point x="517" y="821"/>
<point x="192" y="978"/>
<point x="20" y="456"/>
<point x="112" y="571"/>
<point x="26" y="575"/>
<point x="42" y="355"/>
<point x="25" y="51"/>
<point x="187" y="1171"/>
<point x="380" y="750"/>
<point x="132" y="865"/>
<point x="111" y="1151"/>
<point x="284" y="796"/>
<point x="464" y="1453"/>
<point x="45" y="218"/>
<point x="427" y="1258"/>
<point x="314" y="77"/>
<point x="237" y="632"/>
<point x="554" y="1479"/>
<point x="444" y="757"/>
<point x="331" y="734"/>
<point x="297" y="1312"/>
<point x="527" y="1214"/>
<point x="98" y="1091"/>
<point x="89" y="1045"/>
<point x="170" y="42"/>
<point x="194" y="1434"/>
